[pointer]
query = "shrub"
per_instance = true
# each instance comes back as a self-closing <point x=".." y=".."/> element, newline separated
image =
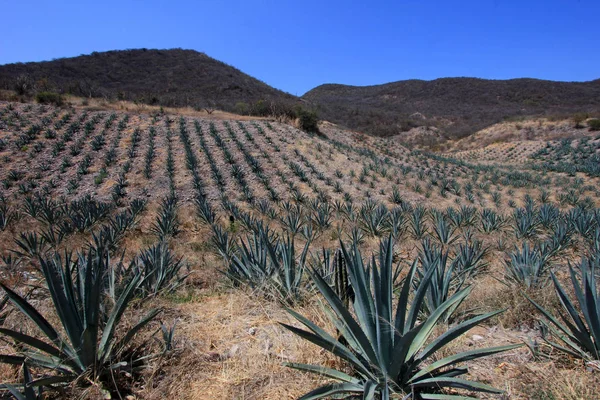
<point x="241" y="108"/>
<point x="23" y="85"/>
<point x="308" y="120"/>
<point x="260" y="108"/>
<point x="594" y="124"/>
<point x="49" y="98"/>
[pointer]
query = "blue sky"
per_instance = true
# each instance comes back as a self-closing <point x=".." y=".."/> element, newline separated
<point x="297" y="45"/>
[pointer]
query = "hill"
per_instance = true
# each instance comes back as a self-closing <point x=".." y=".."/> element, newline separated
<point x="458" y="106"/>
<point x="216" y="224"/>
<point x="173" y="77"/>
<point x="447" y="108"/>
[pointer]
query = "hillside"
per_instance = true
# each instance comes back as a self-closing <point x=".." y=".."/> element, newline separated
<point x="454" y="107"/>
<point x="167" y="77"/>
<point x="458" y="106"/>
<point x="216" y="224"/>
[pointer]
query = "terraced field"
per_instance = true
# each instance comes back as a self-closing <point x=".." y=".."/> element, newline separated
<point x="225" y="237"/>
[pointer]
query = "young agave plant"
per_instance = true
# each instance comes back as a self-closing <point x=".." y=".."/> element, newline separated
<point x="417" y="223"/>
<point x="160" y="270"/>
<point x="444" y="232"/>
<point x="30" y="245"/>
<point x="579" y="331"/>
<point x="374" y="221"/>
<point x="249" y="264"/>
<point x="6" y="216"/>
<point x="490" y="221"/>
<point x="527" y="267"/>
<point x="390" y="351"/>
<point x="90" y="347"/>
<point x="166" y="222"/>
<point x="444" y="278"/>
<point x="289" y="271"/>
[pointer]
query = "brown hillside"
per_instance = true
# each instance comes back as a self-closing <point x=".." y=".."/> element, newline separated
<point x="459" y="106"/>
<point x="173" y="77"/>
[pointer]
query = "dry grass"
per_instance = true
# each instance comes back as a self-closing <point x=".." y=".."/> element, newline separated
<point x="233" y="348"/>
<point x="94" y="104"/>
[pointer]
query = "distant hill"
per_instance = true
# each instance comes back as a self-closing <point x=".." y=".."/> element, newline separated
<point x="167" y="77"/>
<point x="458" y="106"/>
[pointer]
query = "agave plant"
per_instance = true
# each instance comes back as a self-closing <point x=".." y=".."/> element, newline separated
<point x="527" y="267"/>
<point x="250" y="262"/>
<point x="469" y="257"/>
<point x="159" y="268"/>
<point x="78" y="289"/>
<point x="6" y="216"/>
<point x="374" y="221"/>
<point x="579" y="331"/>
<point x="396" y="197"/>
<point x="526" y="222"/>
<point x="490" y="221"/>
<point x="205" y="211"/>
<point x="581" y="221"/>
<point x="417" y="222"/>
<point x="293" y="220"/>
<point x="321" y="216"/>
<point x="222" y="241"/>
<point x="288" y="270"/>
<point x="445" y="278"/>
<point x="389" y="351"/>
<point x="444" y="232"/>
<point x="548" y="215"/>
<point x="166" y="222"/>
<point x="30" y="245"/>
<point x="85" y="212"/>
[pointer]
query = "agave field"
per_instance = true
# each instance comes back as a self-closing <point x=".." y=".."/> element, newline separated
<point x="168" y="256"/>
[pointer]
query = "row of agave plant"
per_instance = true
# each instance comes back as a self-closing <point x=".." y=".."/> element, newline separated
<point x="393" y="352"/>
<point x="431" y="292"/>
<point x="91" y="291"/>
<point x="253" y="162"/>
<point x="442" y="171"/>
<point x="563" y="156"/>
<point x="71" y="133"/>
<point x="237" y="171"/>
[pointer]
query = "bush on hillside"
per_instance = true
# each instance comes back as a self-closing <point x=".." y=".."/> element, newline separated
<point x="308" y="120"/>
<point x="594" y="124"/>
<point x="49" y="98"/>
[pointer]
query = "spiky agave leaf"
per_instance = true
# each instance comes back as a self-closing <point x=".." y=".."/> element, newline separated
<point x="579" y="330"/>
<point x="160" y="268"/>
<point x="389" y="350"/>
<point x="77" y="289"/>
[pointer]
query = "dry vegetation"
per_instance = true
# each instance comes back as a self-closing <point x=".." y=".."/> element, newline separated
<point x="205" y="184"/>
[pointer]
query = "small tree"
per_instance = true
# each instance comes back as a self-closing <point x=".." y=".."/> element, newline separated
<point x="209" y="107"/>
<point x="260" y="108"/>
<point x="578" y="119"/>
<point x="241" y="108"/>
<point x="23" y="85"/>
<point x="307" y="120"/>
<point x="594" y="124"/>
<point x="49" y="98"/>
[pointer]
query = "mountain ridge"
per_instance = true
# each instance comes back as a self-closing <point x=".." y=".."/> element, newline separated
<point x="171" y="77"/>
<point x="455" y="106"/>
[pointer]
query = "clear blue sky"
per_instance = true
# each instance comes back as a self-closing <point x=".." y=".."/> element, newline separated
<point x="297" y="45"/>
